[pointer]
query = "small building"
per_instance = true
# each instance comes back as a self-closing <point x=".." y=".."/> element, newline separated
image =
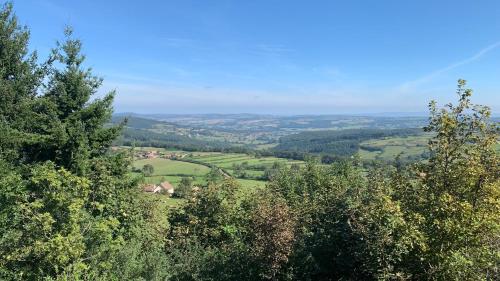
<point x="151" y="188"/>
<point x="152" y="154"/>
<point x="167" y="187"/>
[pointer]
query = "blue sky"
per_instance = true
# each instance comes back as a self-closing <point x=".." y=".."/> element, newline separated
<point x="279" y="57"/>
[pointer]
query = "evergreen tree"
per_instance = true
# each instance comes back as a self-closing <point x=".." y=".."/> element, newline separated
<point x="20" y="77"/>
<point x="76" y="132"/>
<point x="67" y="206"/>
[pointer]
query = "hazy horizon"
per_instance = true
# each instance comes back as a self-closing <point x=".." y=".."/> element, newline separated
<point x="279" y="57"/>
<point x="374" y="114"/>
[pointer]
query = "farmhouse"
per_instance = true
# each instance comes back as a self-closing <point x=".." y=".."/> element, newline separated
<point x="167" y="187"/>
<point x="151" y="188"/>
<point x="152" y="154"/>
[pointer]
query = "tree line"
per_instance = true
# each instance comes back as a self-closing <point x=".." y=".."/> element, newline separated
<point x="342" y="143"/>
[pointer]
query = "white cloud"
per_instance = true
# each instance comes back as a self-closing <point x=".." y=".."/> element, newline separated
<point x="436" y="73"/>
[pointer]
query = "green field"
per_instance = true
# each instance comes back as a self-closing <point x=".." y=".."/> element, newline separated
<point x="389" y="148"/>
<point x="173" y="171"/>
<point x="196" y="165"/>
<point x="254" y="167"/>
<point x="166" y="167"/>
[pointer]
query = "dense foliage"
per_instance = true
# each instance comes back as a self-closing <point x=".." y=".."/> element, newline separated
<point x="69" y="209"/>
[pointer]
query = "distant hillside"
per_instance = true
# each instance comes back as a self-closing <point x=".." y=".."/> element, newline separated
<point x="285" y="136"/>
<point x="137" y="122"/>
<point x="269" y="123"/>
<point x="147" y="132"/>
<point x="339" y="143"/>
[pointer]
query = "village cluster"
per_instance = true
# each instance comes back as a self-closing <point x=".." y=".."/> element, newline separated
<point x="152" y="154"/>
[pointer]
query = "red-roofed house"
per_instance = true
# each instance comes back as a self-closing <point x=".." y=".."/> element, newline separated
<point x="152" y="188"/>
<point x="167" y="187"/>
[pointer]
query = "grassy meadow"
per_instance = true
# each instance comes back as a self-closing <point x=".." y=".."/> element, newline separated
<point x="167" y="167"/>
<point x="196" y="165"/>
<point x="250" y="170"/>
<point x="253" y="167"/>
<point x="389" y="148"/>
<point x="174" y="170"/>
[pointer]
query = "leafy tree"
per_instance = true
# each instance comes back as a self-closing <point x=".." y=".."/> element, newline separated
<point x="184" y="189"/>
<point x="45" y="237"/>
<point x="148" y="170"/>
<point x="271" y="171"/>
<point x="319" y="197"/>
<point x="209" y="212"/>
<point x="458" y="192"/>
<point x="271" y="233"/>
<point x="239" y="170"/>
<point x="223" y="235"/>
<point x="214" y="176"/>
<point x="349" y="226"/>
